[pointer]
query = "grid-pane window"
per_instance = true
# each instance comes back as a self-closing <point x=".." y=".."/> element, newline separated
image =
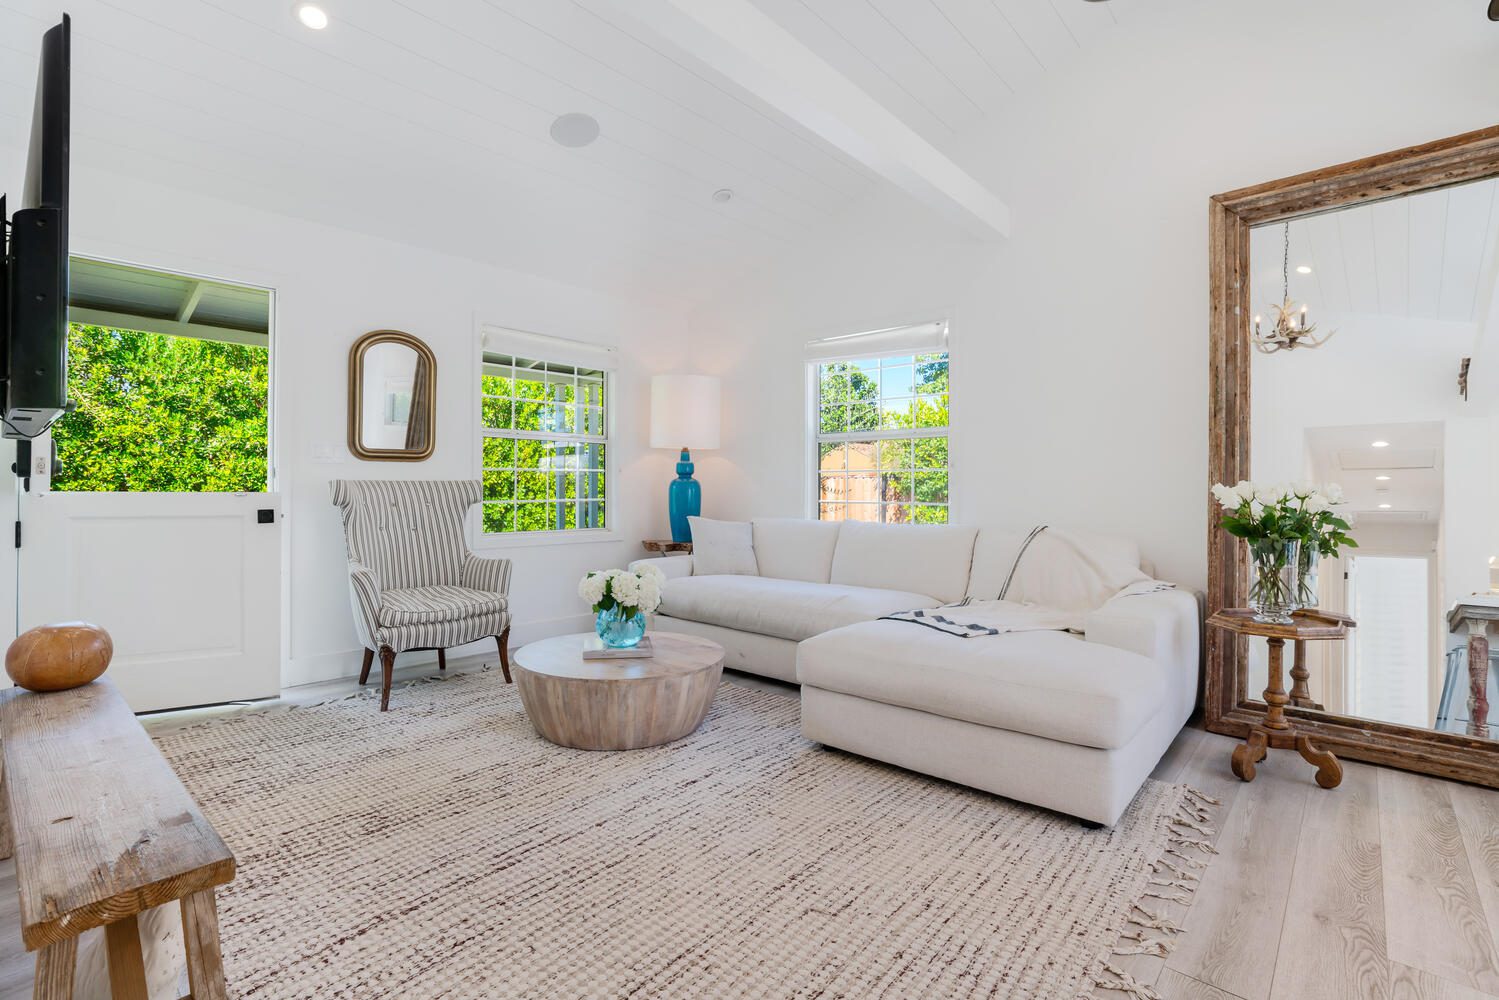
<point x="882" y="439"/>
<point x="544" y="443"/>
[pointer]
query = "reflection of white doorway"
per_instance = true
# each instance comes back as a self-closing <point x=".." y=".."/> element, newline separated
<point x="1388" y="670"/>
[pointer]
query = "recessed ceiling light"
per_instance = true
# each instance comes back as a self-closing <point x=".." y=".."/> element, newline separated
<point x="1384" y="506"/>
<point x="574" y="129"/>
<point x="1383" y="479"/>
<point x="312" y="16"/>
<point x="1303" y="269"/>
<point x="722" y="195"/>
<point x="1379" y="444"/>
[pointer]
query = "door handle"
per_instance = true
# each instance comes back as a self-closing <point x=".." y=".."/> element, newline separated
<point x="265" y="515"/>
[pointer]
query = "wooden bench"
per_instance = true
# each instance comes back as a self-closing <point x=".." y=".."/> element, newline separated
<point x="102" y="830"/>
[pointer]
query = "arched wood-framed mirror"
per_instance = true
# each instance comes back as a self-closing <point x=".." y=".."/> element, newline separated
<point x="392" y="396"/>
<point x="1378" y="420"/>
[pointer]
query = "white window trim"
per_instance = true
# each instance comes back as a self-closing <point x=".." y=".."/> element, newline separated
<point x="815" y="355"/>
<point x="481" y="541"/>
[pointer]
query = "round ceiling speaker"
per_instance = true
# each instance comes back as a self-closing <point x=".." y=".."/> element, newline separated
<point x="574" y="129"/>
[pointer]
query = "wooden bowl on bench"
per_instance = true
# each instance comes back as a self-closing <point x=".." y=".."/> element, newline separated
<point x="59" y="657"/>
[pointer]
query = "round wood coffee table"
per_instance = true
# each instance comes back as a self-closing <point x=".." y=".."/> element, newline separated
<point x="617" y="704"/>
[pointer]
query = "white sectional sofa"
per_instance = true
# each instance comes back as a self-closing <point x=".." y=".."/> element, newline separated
<point x="1072" y="722"/>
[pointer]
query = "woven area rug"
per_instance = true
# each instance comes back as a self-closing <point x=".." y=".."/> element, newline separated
<point x="446" y="850"/>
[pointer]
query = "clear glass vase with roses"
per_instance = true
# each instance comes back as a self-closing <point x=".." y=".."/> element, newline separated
<point x="1288" y="528"/>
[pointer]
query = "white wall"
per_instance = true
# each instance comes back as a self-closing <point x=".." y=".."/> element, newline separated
<point x="331" y="286"/>
<point x="1080" y="346"/>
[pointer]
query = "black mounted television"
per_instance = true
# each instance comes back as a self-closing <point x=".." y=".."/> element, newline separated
<point x="35" y="313"/>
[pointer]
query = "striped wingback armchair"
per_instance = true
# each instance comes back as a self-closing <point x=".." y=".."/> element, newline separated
<point x="413" y="582"/>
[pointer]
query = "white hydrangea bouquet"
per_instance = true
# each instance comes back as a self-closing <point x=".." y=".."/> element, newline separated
<point x="621" y="599"/>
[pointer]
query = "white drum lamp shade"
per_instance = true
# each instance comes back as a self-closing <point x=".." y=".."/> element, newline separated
<point x="684" y="411"/>
<point x="684" y="414"/>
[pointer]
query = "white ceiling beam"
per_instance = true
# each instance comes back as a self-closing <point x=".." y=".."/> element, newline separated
<point x="172" y="328"/>
<point x="190" y="304"/>
<point x="739" y="41"/>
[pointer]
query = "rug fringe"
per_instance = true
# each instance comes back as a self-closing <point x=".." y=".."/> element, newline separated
<point x="1175" y="876"/>
<point x="1118" y="979"/>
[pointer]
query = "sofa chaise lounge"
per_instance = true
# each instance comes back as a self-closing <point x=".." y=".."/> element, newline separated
<point x="1069" y="720"/>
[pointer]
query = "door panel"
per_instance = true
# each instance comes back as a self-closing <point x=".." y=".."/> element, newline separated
<point x="188" y="585"/>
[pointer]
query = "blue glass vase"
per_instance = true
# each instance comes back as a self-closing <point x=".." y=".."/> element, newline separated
<point x="617" y="631"/>
<point x="684" y="499"/>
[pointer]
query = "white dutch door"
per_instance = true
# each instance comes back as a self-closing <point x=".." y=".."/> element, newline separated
<point x="156" y="519"/>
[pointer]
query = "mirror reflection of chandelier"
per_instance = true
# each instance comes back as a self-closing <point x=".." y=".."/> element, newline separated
<point x="1293" y="327"/>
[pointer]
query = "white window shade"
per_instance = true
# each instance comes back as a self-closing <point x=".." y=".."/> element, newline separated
<point x="919" y="339"/>
<point x="520" y="343"/>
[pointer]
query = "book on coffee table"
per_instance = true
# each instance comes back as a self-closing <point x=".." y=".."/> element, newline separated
<point x="594" y="649"/>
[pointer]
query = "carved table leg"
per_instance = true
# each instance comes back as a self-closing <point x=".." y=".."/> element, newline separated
<point x="1301" y="695"/>
<point x="1478" y="679"/>
<point x="1329" y="771"/>
<point x="1275" y="694"/>
<point x="1249" y="753"/>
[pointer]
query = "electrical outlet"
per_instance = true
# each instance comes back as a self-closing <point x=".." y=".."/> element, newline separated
<point x="39" y="465"/>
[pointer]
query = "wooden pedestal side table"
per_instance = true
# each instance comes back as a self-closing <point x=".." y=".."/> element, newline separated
<point x="1277" y="731"/>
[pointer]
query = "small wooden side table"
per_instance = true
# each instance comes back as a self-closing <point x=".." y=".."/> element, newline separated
<point x="1277" y="731"/>
<point x="665" y="545"/>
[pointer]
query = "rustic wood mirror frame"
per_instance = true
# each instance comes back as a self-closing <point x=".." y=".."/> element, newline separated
<point x="356" y="397"/>
<point x="1229" y="707"/>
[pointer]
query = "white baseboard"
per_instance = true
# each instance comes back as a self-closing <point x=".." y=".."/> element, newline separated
<point x="322" y="667"/>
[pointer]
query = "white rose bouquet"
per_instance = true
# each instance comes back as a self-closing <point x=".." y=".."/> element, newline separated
<point x="631" y="593"/>
<point x="1300" y="512"/>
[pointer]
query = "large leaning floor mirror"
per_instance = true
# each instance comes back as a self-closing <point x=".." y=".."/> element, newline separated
<point x="1356" y="359"/>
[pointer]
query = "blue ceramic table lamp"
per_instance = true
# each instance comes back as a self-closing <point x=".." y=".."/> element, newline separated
<point x="684" y="414"/>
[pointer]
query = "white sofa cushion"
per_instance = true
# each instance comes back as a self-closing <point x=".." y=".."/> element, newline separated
<point x="722" y="547"/>
<point x="795" y="548"/>
<point x="788" y="609"/>
<point x="1047" y="684"/>
<point x="926" y="558"/>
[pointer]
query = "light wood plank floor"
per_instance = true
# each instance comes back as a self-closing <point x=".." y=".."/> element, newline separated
<point x="1386" y="888"/>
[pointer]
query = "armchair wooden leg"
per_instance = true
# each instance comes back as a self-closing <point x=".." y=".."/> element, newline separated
<point x="502" y="640"/>
<point x="364" y="670"/>
<point x="387" y="674"/>
<point x="442" y="659"/>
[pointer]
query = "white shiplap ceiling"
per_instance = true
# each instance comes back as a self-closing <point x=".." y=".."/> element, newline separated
<point x="427" y="121"/>
<point x="1427" y="256"/>
<point x="944" y="65"/>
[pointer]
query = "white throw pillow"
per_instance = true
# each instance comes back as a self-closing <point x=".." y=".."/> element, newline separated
<point x="795" y="548"/>
<point x="722" y="548"/>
